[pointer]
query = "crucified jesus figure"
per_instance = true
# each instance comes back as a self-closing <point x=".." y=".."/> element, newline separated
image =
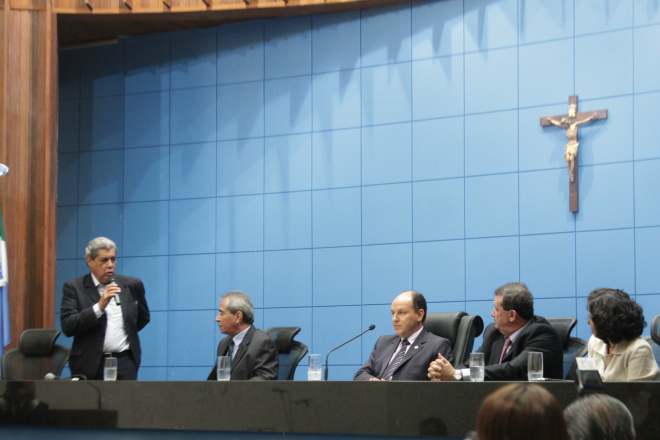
<point x="571" y="125"/>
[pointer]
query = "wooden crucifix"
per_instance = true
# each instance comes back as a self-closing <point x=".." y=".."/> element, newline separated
<point x="571" y="122"/>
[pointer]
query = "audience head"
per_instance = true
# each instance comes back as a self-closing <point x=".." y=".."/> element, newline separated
<point x="599" y="417"/>
<point x="614" y="316"/>
<point x="513" y="307"/>
<point x="235" y="313"/>
<point x="521" y="411"/>
<point x="408" y="313"/>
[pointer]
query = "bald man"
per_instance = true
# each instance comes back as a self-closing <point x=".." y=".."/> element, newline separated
<point x="407" y="354"/>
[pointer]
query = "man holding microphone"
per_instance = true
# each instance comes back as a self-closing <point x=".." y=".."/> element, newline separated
<point x="104" y="313"/>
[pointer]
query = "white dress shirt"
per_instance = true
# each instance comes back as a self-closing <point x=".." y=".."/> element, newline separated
<point x="116" y="338"/>
<point x="237" y="341"/>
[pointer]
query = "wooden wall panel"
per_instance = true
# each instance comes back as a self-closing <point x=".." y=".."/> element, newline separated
<point x="28" y="138"/>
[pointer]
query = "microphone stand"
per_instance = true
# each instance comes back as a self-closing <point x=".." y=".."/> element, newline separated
<point x="371" y="327"/>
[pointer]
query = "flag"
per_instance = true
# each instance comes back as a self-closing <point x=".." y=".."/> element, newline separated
<point x="5" y="337"/>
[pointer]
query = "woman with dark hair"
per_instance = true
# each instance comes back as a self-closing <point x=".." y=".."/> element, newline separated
<point x="521" y="411"/>
<point x="617" y="349"/>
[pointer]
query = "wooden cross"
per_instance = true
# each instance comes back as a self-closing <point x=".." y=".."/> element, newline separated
<point x="571" y="122"/>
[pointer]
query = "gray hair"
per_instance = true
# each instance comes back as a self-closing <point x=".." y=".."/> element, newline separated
<point x="92" y="249"/>
<point x="599" y="417"/>
<point x="239" y="301"/>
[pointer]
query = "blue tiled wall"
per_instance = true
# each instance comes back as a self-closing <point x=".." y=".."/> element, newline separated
<point x="325" y="163"/>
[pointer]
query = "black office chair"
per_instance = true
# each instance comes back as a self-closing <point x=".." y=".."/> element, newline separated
<point x="654" y="339"/>
<point x="36" y="355"/>
<point x="564" y="327"/>
<point x="290" y="351"/>
<point x="459" y="328"/>
<point x="573" y="347"/>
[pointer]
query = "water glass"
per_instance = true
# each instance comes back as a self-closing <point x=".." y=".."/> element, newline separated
<point x="535" y="365"/>
<point x="477" y="367"/>
<point x="110" y="368"/>
<point x="224" y="368"/>
<point x="314" y="367"/>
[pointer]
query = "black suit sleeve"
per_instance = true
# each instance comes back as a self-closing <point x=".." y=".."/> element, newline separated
<point x="74" y="317"/>
<point x="541" y="338"/>
<point x="260" y="361"/>
<point x="415" y="364"/>
<point x="367" y="371"/>
<point x="213" y="375"/>
<point x="144" y="316"/>
<point x="266" y="361"/>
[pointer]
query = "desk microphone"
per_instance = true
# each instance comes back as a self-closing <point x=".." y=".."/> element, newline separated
<point x="112" y="281"/>
<point x="75" y="377"/>
<point x="371" y="327"/>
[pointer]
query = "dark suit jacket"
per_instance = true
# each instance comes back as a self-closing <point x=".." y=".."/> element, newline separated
<point x="415" y="364"/>
<point x="256" y="357"/>
<point x="78" y="320"/>
<point x="539" y="335"/>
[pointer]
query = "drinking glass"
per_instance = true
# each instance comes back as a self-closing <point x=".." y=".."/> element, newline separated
<point x="314" y="367"/>
<point x="476" y="367"/>
<point x="224" y="368"/>
<point x="535" y="366"/>
<point x="110" y="368"/>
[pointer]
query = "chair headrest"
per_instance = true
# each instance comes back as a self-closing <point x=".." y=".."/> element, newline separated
<point x="283" y="337"/>
<point x="444" y="324"/>
<point x="655" y="329"/>
<point x="476" y="322"/>
<point x="564" y="327"/>
<point x="38" y="341"/>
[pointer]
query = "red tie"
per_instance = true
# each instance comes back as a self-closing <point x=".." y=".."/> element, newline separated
<point x="507" y="341"/>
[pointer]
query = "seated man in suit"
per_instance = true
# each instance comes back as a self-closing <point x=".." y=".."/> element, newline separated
<point x="253" y="353"/>
<point x="515" y="332"/>
<point x="406" y="355"/>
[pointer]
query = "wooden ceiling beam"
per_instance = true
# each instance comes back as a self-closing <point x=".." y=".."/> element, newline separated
<point x="85" y="22"/>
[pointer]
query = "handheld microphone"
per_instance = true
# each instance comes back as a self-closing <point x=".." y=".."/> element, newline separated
<point x="117" y="299"/>
<point x="371" y="327"/>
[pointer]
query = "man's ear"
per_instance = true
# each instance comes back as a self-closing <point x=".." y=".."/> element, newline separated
<point x="239" y="315"/>
<point x="513" y="315"/>
<point x="420" y="315"/>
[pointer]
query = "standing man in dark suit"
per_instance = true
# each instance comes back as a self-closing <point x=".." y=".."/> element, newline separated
<point x="253" y="353"/>
<point x="104" y="313"/>
<point x="406" y="355"/>
<point x="515" y="332"/>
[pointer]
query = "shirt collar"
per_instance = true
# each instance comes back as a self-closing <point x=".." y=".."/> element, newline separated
<point x="601" y="347"/>
<point x="411" y="338"/>
<point x="515" y="334"/>
<point x="239" y="337"/>
<point x="96" y="282"/>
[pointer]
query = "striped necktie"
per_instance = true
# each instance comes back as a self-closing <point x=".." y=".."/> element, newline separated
<point x="396" y="361"/>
